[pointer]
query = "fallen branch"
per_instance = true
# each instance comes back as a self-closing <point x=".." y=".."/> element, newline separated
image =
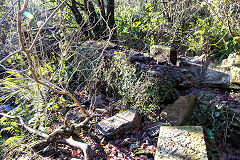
<point x="53" y="136"/>
<point x="77" y="127"/>
<point x="83" y="123"/>
<point x="83" y="146"/>
<point x="29" y="129"/>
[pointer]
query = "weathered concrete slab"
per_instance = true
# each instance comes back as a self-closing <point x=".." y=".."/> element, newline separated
<point x="235" y="75"/>
<point x="178" y="112"/>
<point x="181" y="143"/>
<point x="225" y="75"/>
<point x="163" y="54"/>
<point x="119" y="123"/>
<point x="217" y="77"/>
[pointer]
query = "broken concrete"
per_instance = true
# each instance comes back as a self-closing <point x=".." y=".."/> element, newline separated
<point x="181" y="143"/>
<point x="119" y="123"/>
<point x="140" y="58"/>
<point x="173" y="74"/>
<point x="224" y="75"/>
<point x="235" y="75"/>
<point x="177" y="113"/>
<point x="216" y="77"/>
<point x="163" y="54"/>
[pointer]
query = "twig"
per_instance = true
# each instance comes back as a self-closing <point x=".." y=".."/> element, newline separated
<point x="9" y="11"/>
<point x="11" y="54"/>
<point x="44" y="24"/>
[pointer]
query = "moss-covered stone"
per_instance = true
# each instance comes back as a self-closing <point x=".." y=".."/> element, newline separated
<point x="180" y="143"/>
<point x="178" y="112"/>
<point x="163" y="54"/>
<point x="235" y="75"/>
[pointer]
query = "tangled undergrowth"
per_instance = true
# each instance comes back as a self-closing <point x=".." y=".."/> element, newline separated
<point x="88" y="69"/>
<point x="220" y="126"/>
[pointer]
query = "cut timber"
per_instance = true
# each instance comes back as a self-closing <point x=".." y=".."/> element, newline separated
<point x="181" y="143"/>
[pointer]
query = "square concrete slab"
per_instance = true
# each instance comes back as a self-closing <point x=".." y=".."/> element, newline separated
<point x="181" y="143"/>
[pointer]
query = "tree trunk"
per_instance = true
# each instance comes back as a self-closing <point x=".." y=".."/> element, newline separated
<point x="78" y="17"/>
<point x="96" y="28"/>
<point x="110" y="15"/>
<point x="76" y="13"/>
<point x="103" y="15"/>
<point x="93" y="17"/>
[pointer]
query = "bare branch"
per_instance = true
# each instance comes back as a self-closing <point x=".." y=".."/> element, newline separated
<point x="24" y="7"/>
<point x="83" y="146"/>
<point x="32" y="67"/>
<point x="8" y="56"/>
<point x="44" y="24"/>
<point x="9" y="10"/>
<point x="29" y="129"/>
<point x="83" y="123"/>
<point x="48" y="138"/>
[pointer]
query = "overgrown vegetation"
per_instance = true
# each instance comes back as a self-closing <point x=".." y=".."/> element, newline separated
<point x="218" y="121"/>
<point x="64" y="64"/>
<point x="134" y="88"/>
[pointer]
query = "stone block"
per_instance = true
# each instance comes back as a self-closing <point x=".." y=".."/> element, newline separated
<point x="181" y="143"/>
<point x="216" y="77"/>
<point x="177" y="113"/>
<point x="235" y="75"/>
<point x="119" y="123"/>
<point x="232" y="60"/>
<point x="163" y="54"/>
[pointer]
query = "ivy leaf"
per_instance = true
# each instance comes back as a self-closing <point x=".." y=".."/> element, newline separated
<point x="217" y="114"/>
<point x="210" y="135"/>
